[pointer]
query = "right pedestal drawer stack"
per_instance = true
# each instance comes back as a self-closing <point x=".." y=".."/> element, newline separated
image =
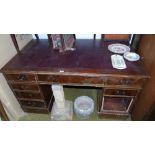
<point x="118" y="96"/>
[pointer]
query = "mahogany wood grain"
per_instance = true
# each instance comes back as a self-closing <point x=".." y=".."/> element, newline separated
<point x="90" y="58"/>
<point x="46" y="92"/>
<point x="33" y="104"/>
<point x="115" y="104"/>
<point x="120" y="92"/>
<point x="145" y="102"/>
<point x="124" y="37"/>
<point x="25" y="87"/>
<point x="20" y="77"/>
<point x="28" y="95"/>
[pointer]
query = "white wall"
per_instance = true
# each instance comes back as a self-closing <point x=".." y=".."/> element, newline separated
<point x="23" y="39"/>
<point x="87" y="36"/>
<point x="7" y="51"/>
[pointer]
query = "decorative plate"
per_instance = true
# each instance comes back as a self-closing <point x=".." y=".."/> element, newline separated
<point x="118" y="62"/>
<point x="131" y="56"/>
<point x="118" y="48"/>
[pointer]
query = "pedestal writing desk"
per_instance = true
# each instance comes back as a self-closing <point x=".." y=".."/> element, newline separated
<point x="31" y="73"/>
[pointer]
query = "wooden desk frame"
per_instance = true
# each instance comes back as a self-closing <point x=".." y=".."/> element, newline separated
<point x="89" y="66"/>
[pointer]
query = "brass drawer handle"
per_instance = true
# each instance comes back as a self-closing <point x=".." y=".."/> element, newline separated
<point x="29" y="103"/>
<point x="34" y="104"/>
<point x="87" y="80"/>
<point x="118" y="92"/>
<point x="21" y="77"/>
<point x="30" y="95"/>
<point x="104" y="79"/>
<point x="53" y="78"/>
<point x="126" y="81"/>
<point x="24" y="87"/>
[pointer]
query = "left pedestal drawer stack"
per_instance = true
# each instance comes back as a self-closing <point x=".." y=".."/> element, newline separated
<point x="32" y="96"/>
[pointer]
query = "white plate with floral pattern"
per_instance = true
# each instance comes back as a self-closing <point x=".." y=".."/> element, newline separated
<point x="118" y="48"/>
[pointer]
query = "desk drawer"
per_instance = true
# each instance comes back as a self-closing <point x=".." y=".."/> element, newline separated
<point x="20" y="77"/>
<point x="71" y="79"/>
<point x="124" y="81"/>
<point x="120" y="92"/>
<point x="28" y="95"/>
<point x="116" y="105"/>
<point x="104" y="80"/>
<point x="32" y="87"/>
<point x="32" y="104"/>
<point x="36" y="110"/>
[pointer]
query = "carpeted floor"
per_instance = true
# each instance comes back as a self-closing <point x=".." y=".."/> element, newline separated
<point x="70" y="94"/>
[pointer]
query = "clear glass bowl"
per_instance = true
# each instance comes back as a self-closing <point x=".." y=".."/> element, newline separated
<point x="83" y="107"/>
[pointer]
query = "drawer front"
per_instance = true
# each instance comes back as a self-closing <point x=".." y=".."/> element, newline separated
<point x="25" y="87"/>
<point x="105" y="80"/>
<point x="28" y="95"/>
<point x="116" y="105"/>
<point x="71" y="79"/>
<point x="120" y="92"/>
<point x="32" y="104"/>
<point x="20" y="77"/>
<point x="124" y="81"/>
<point x="35" y="110"/>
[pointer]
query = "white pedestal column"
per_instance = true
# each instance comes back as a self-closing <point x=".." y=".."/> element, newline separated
<point x="59" y="96"/>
